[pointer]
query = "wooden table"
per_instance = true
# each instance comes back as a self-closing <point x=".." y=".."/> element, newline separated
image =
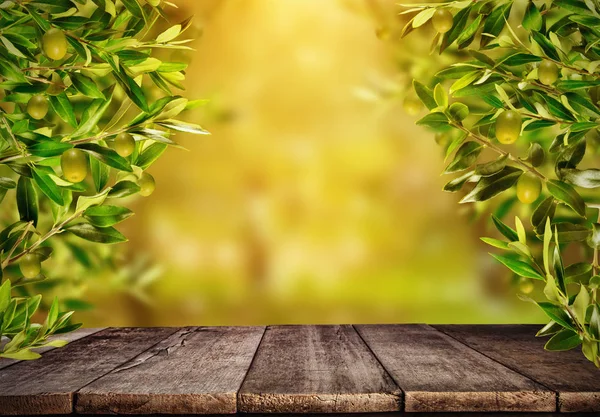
<point x="302" y="369"/>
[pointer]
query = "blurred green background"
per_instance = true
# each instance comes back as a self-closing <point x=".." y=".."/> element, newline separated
<point x="315" y="200"/>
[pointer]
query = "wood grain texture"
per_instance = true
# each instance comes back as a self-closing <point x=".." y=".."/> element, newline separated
<point x="46" y="386"/>
<point x="437" y="373"/>
<point x="316" y="369"/>
<point x="69" y="337"/>
<point x="197" y="370"/>
<point x="574" y="378"/>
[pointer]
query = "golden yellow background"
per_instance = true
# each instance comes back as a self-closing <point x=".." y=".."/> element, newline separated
<point x="314" y="200"/>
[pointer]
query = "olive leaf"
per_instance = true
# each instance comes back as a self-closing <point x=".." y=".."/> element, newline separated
<point x="62" y="106"/>
<point x="587" y="178"/>
<point x="567" y="195"/>
<point x="488" y="187"/>
<point x="27" y="200"/>
<point x="533" y="18"/>
<point x="123" y="189"/>
<point x="47" y="186"/>
<point x="564" y="340"/>
<point x="544" y="210"/>
<point x="579" y="272"/>
<point x="48" y="148"/>
<point x="523" y="269"/>
<point x="106" y="155"/>
<point x="425" y="94"/>
<point x="593" y="238"/>
<point x="465" y="156"/>
<point x="104" y="216"/>
<point x="494" y="23"/>
<point x="457" y="183"/>
<point x="105" y="235"/>
<point x="571" y="232"/>
<point x="492" y="167"/>
<point x="509" y="233"/>
<point x="86" y="86"/>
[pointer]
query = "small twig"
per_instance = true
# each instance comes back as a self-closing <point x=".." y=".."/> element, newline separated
<point x="54" y="231"/>
<point x="502" y="152"/>
<point x="16" y="245"/>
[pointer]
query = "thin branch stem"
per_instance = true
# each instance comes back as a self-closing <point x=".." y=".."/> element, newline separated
<point x="16" y="245"/>
<point x="485" y="142"/>
<point x="64" y="67"/>
<point x="54" y="231"/>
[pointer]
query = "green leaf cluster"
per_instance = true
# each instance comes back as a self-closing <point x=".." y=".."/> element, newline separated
<point x="539" y="63"/>
<point x="77" y="103"/>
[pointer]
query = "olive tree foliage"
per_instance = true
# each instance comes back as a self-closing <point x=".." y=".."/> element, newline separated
<point x="522" y="115"/>
<point x="77" y="132"/>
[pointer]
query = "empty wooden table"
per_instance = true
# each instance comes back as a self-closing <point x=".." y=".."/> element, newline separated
<point x="302" y="369"/>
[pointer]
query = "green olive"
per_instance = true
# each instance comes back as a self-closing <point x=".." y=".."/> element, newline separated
<point x="442" y="20"/>
<point x="508" y="126"/>
<point x="54" y="44"/>
<point x="74" y="164"/>
<point x="37" y="106"/>
<point x="442" y="138"/>
<point x="383" y="33"/>
<point x="412" y="105"/>
<point x="30" y="265"/>
<point x="124" y="144"/>
<point x="529" y="188"/>
<point x="526" y="285"/>
<point x="548" y="73"/>
<point x="147" y="184"/>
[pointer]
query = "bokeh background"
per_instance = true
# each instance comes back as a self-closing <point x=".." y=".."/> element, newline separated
<point x="316" y="199"/>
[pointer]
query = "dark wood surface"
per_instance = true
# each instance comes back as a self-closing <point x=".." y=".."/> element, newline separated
<point x="438" y="373"/>
<point x="46" y="385"/>
<point x="316" y="369"/>
<point x="389" y="369"/>
<point x="570" y="374"/>
<point x="197" y="370"/>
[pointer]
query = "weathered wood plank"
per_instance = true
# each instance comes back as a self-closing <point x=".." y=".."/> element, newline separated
<point x="431" y="414"/>
<point x="46" y="385"/>
<point x="316" y="369"/>
<point x="437" y="373"/>
<point x="197" y="370"/>
<point x="574" y="378"/>
<point x="69" y="337"/>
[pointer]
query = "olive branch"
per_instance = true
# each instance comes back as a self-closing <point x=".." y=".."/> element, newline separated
<point x="541" y="89"/>
<point x="72" y="145"/>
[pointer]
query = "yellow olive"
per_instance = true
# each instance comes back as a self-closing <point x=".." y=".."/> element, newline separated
<point x="30" y="265"/>
<point x="37" y="106"/>
<point x="412" y="105"/>
<point x="124" y="144"/>
<point x="548" y="73"/>
<point x="54" y="44"/>
<point x="508" y="127"/>
<point x="442" y="138"/>
<point x="7" y="107"/>
<point x="526" y="285"/>
<point x="529" y="188"/>
<point x="147" y="184"/>
<point x="442" y="20"/>
<point x="74" y="164"/>
<point x="382" y="33"/>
